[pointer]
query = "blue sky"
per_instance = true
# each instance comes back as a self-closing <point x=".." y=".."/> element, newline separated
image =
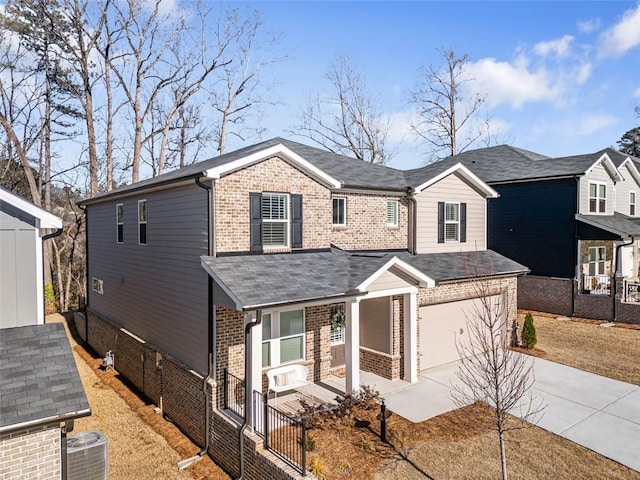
<point x="560" y="78"/>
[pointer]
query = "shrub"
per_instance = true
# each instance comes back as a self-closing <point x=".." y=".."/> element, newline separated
<point x="529" y="339"/>
<point x="318" y="469"/>
<point x="309" y="443"/>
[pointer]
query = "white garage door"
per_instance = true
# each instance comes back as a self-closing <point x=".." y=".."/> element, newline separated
<point x="440" y="325"/>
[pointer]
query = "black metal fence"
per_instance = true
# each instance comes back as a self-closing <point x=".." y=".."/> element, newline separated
<point x="283" y="434"/>
<point x="233" y="394"/>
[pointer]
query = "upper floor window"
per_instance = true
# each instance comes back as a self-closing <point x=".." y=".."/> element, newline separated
<point x="276" y="220"/>
<point x="120" y="223"/>
<point x="392" y="213"/>
<point x="339" y="211"/>
<point x="142" y="222"/>
<point x="452" y="222"/>
<point x="597" y="197"/>
<point x="632" y="204"/>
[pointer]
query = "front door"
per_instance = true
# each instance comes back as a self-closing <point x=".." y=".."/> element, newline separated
<point x="338" y="328"/>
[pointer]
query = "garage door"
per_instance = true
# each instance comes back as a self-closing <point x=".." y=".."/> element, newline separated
<point x="439" y="326"/>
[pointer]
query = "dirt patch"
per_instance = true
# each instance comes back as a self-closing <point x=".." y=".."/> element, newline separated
<point x="142" y="444"/>
<point x="584" y="344"/>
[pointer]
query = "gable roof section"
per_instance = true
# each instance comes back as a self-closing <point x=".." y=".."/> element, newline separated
<point x="39" y="381"/>
<point x="632" y="167"/>
<point x="261" y="281"/>
<point x="618" y="224"/>
<point x="466" y="174"/>
<point x="43" y="218"/>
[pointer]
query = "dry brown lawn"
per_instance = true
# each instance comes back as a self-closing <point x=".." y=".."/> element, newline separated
<point x="609" y="351"/>
<point x="142" y="445"/>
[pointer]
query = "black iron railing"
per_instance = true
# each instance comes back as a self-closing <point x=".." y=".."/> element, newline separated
<point x="283" y="434"/>
<point x="596" y="284"/>
<point x="631" y="291"/>
<point x="233" y="394"/>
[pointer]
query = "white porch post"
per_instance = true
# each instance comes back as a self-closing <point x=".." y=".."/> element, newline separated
<point x="352" y="345"/>
<point x="255" y="359"/>
<point x="410" y="337"/>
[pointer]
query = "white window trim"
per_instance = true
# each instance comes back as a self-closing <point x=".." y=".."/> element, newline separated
<point x="634" y="203"/>
<point x="287" y="221"/>
<point x="119" y="222"/>
<point x="451" y="222"/>
<point x="274" y="341"/>
<point x="396" y="204"/>
<point x="143" y="222"/>
<point x="97" y="285"/>
<point x="596" y="262"/>
<point x="344" y="206"/>
<point x="597" y="197"/>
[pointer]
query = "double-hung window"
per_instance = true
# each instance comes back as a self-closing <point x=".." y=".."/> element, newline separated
<point x="339" y="211"/>
<point x="392" y="213"/>
<point x="632" y="204"/>
<point x="282" y="337"/>
<point x="142" y="222"/>
<point x="275" y="219"/>
<point x="451" y="222"/>
<point x="597" y="197"/>
<point x="120" y="223"/>
<point x="597" y="258"/>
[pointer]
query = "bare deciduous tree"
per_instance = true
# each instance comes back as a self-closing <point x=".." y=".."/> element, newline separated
<point x="346" y="121"/>
<point x="445" y="109"/>
<point x="490" y="372"/>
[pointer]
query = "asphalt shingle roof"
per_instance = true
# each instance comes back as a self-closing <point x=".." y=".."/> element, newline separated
<point x="39" y="380"/>
<point x="319" y="275"/>
<point x="617" y="223"/>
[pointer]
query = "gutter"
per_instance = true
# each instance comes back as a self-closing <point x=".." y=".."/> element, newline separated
<point x="44" y="421"/>
<point x="248" y="381"/>
<point x="615" y="277"/>
<point x="211" y="334"/>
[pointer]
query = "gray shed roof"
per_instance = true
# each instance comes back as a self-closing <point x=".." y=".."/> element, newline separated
<point x="267" y="280"/>
<point x="618" y="224"/>
<point x="39" y="381"/>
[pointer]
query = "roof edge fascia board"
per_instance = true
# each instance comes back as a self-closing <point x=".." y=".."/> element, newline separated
<point x="178" y="182"/>
<point x="593" y="223"/>
<point x="274" y="151"/>
<point x="536" y="179"/>
<point x="423" y="280"/>
<point x="515" y="273"/>
<point x="45" y="421"/>
<point x="392" y="192"/>
<point x="468" y="174"/>
<point x="604" y="158"/>
<point x="305" y="302"/>
<point x="631" y="166"/>
<point x="230" y="294"/>
<point x="46" y="219"/>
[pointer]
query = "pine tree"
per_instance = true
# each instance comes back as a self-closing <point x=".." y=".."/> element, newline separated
<point x="529" y="338"/>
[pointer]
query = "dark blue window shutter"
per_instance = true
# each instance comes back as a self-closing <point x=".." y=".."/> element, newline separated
<point x="440" y="222"/>
<point x="463" y="222"/>
<point x="296" y="221"/>
<point x="255" y="212"/>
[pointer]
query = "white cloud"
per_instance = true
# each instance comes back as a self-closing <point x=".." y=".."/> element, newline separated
<point x="559" y="47"/>
<point x="589" y="124"/>
<point x="623" y="36"/>
<point x="400" y="126"/>
<point x="636" y="93"/>
<point x="589" y="26"/>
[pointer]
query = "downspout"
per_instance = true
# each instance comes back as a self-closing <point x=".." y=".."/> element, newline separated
<point x="211" y="333"/>
<point x="86" y="262"/>
<point x="576" y="267"/>
<point x="414" y="217"/>
<point x="615" y="277"/>
<point x="248" y="381"/>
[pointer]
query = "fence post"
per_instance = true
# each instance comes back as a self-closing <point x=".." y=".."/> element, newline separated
<point x="225" y="389"/>
<point x="303" y="443"/>
<point x="265" y="418"/>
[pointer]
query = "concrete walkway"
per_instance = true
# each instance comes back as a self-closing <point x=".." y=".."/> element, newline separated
<point x="599" y="413"/>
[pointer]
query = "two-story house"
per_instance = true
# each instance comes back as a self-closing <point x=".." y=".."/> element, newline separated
<point x="280" y="254"/>
<point x="574" y="221"/>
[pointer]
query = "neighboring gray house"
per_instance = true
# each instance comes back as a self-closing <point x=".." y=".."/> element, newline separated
<point x="22" y="231"/>
<point x="40" y="392"/>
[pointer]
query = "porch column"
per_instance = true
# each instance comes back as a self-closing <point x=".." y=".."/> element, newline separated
<point x="410" y="337"/>
<point x="352" y="345"/>
<point x="254" y="380"/>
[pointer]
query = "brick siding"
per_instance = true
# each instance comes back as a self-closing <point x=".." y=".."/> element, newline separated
<point x="31" y="454"/>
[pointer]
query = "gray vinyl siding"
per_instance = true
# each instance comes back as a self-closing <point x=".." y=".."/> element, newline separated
<point x="387" y="281"/>
<point x="450" y="189"/>
<point x="157" y="291"/>
<point x="599" y="175"/>
<point x="18" y="273"/>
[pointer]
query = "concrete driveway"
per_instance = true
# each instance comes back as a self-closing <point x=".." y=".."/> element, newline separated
<point x="594" y="411"/>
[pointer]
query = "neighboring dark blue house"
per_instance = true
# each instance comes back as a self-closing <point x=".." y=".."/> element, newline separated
<point x="574" y="221"/>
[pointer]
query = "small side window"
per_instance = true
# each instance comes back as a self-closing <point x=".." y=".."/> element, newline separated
<point x="120" y="223"/>
<point x="632" y="204"/>
<point x="142" y="222"/>
<point x="339" y="211"/>
<point x="392" y="213"/>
